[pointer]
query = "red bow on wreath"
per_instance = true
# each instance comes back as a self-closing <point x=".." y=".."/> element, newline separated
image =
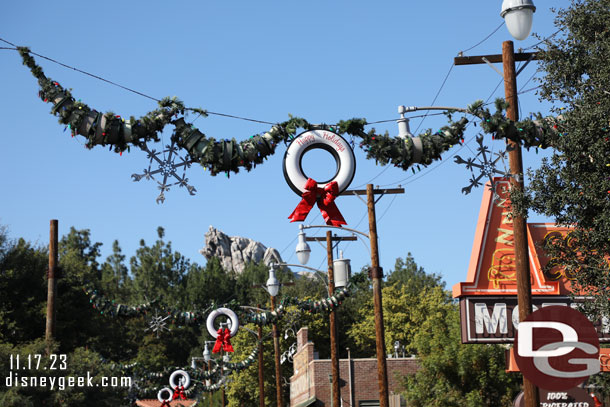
<point x="179" y="392"/>
<point x="223" y="341"/>
<point x="325" y="198"/>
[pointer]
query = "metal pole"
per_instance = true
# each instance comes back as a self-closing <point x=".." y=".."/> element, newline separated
<point x="51" y="284"/>
<point x="376" y="277"/>
<point x="208" y="367"/>
<point x="278" y="369"/>
<point x="524" y="288"/>
<point x="261" y="382"/>
<point x="334" y="360"/>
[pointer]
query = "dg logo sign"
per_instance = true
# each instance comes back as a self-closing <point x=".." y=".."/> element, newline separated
<point x="557" y="348"/>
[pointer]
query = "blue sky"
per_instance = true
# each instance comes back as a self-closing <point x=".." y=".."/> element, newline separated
<point x="324" y="61"/>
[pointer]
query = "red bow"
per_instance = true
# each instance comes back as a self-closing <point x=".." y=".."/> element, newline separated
<point x="179" y="392"/>
<point x="325" y="198"/>
<point x="223" y="341"/>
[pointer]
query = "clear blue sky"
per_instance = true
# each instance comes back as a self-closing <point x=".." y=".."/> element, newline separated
<point x="324" y="61"/>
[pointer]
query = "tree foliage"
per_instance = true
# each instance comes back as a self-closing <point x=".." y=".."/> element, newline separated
<point x="452" y="373"/>
<point x="573" y="186"/>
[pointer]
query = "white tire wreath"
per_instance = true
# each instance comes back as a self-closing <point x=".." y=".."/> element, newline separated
<point x="169" y="397"/>
<point x="218" y="312"/>
<point x="175" y="375"/>
<point x="326" y="140"/>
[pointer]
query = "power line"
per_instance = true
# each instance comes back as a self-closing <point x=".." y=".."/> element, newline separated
<point x="484" y="39"/>
<point x="436" y="96"/>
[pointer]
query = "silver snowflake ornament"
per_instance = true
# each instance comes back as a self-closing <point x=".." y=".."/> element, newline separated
<point x="167" y="169"/>
<point x="486" y="165"/>
<point x="157" y="324"/>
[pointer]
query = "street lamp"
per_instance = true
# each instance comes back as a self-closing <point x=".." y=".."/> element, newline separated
<point x="273" y="288"/>
<point x="303" y="250"/>
<point x="518" y="15"/>
<point x="273" y="285"/>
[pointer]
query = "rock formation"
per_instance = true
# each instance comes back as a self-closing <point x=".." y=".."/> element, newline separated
<point x="235" y="252"/>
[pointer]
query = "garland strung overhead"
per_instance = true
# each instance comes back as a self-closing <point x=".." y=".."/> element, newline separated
<point x="326" y="305"/>
<point x="224" y="155"/>
<point x="112" y="308"/>
<point x="109" y="307"/>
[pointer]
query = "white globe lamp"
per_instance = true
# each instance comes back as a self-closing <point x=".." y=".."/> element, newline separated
<point x="519" y="16"/>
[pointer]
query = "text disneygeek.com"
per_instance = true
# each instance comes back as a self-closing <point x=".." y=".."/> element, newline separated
<point x="61" y="382"/>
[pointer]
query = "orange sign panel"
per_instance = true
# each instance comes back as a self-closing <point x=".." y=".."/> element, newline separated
<point x="492" y="262"/>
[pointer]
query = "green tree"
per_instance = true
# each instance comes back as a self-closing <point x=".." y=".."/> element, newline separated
<point x="402" y="308"/>
<point x="23" y="288"/>
<point x="452" y="373"/>
<point x="115" y="280"/>
<point x="407" y="272"/>
<point x="159" y="271"/>
<point x="573" y="186"/>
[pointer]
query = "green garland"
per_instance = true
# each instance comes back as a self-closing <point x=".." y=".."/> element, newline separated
<point x="541" y="132"/>
<point x="230" y="155"/>
<point x="326" y="305"/>
<point x="114" y="309"/>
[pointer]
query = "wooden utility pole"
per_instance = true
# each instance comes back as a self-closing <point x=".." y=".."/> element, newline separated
<point x="334" y="359"/>
<point x="278" y="368"/>
<point x="51" y="283"/>
<point x="524" y="288"/>
<point x="376" y="278"/>
<point x="261" y="381"/>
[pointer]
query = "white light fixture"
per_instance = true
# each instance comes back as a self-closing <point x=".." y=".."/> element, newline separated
<point x="273" y="285"/>
<point x="303" y="250"/>
<point x="342" y="270"/>
<point x="206" y="353"/>
<point x="518" y="15"/>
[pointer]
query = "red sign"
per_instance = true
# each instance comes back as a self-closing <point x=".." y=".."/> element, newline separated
<point x="556" y="348"/>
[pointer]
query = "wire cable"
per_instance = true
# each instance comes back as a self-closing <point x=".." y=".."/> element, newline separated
<point x="436" y="96"/>
<point x="484" y="39"/>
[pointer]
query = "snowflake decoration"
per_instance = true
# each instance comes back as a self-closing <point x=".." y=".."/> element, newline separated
<point x="486" y="165"/>
<point x="165" y="159"/>
<point x="157" y="324"/>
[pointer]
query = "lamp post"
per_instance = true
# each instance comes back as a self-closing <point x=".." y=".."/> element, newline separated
<point x="342" y="265"/>
<point x="207" y="357"/>
<point x="273" y="288"/>
<point x="518" y="15"/>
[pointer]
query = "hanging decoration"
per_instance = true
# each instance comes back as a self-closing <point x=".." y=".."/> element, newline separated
<point x="165" y="400"/>
<point x="336" y="145"/>
<point x="326" y="192"/>
<point x="158" y="324"/>
<point x="226" y="156"/>
<point x="326" y="305"/>
<point x="223" y="335"/>
<point x="325" y="198"/>
<point x="184" y="381"/>
<point x="487" y="166"/>
<point x="167" y="169"/>
<point x="115" y="309"/>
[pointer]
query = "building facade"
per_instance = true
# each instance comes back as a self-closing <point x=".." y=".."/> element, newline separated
<point x="310" y="384"/>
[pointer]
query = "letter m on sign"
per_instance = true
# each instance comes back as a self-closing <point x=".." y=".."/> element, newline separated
<point x="486" y="323"/>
